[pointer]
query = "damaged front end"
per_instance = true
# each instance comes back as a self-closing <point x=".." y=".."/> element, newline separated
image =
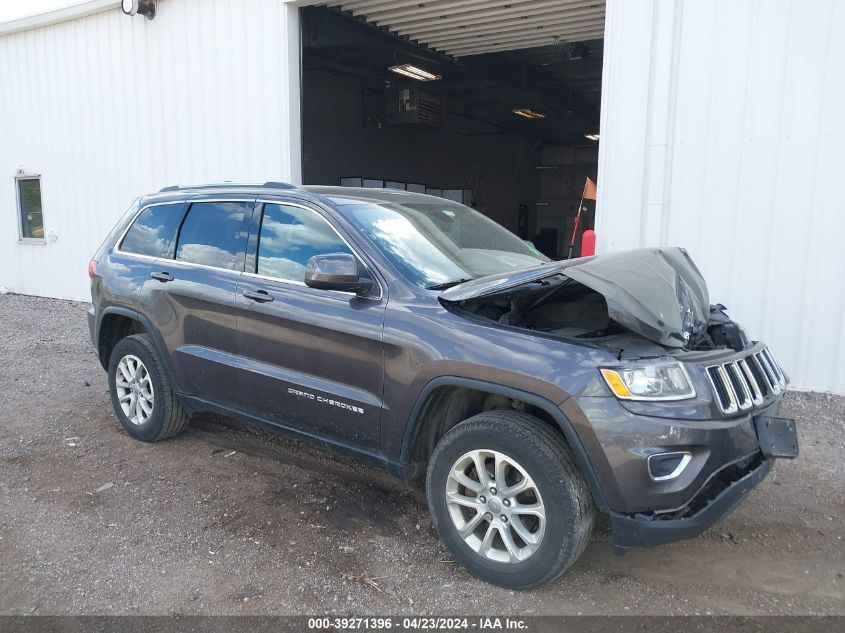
<point x="643" y="303"/>
<point x="688" y="423"/>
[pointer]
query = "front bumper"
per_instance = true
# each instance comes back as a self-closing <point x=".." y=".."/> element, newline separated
<point x="723" y="492"/>
<point x="726" y="460"/>
<point x="620" y="442"/>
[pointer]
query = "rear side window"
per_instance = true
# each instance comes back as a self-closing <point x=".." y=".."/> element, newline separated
<point x="289" y="237"/>
<point x="213" y="234"/>
<point x="154" y="231"/>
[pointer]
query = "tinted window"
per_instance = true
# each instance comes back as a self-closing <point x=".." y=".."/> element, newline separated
<point x="154" y="231"/>
<point x="213" y="234"/>
<point x="289" y="237"/>
<point x="29" y="205"/>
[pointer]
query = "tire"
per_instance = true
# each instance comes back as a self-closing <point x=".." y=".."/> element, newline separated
<point x="519" y="441"/>
<point x="165" y="417"/>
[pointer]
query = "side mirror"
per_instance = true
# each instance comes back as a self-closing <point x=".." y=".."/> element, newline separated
<point x="336" y="271"/>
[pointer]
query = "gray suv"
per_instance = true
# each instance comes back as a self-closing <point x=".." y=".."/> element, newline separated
<point x="418" y="334"/>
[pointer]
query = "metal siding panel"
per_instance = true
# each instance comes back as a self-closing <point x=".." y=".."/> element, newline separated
<point x="761" y="140"/>
<point x="625" y="106"/>
<point x="824" y="318"/>
<point x="107" y="107"/>
<point x="815" y="146"/>
<point x="752" y="182"/>
<point x="715" y="207"/>
<point x="660" y="118"/>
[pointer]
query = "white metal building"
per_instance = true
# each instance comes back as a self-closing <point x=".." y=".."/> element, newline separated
<point x="721" y="130"/>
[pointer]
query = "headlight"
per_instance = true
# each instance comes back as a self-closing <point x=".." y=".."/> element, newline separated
<point x="660" y="381"/>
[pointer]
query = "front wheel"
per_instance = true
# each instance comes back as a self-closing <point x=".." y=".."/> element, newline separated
<point x="508" y="500"/>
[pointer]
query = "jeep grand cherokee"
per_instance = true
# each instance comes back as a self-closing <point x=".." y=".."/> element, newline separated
<point x="416" y="333"/>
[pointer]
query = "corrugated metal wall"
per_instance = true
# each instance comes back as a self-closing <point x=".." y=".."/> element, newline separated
<point x="106" y="107"/>
<point x="723" y="131"/>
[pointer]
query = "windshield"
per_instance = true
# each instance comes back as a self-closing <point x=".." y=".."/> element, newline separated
<point x="437" y="244"/>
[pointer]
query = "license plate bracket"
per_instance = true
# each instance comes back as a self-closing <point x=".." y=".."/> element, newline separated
<point x="778" y="437"/>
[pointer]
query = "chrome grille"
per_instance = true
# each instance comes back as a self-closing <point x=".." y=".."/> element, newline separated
<point x="746" y="382"/>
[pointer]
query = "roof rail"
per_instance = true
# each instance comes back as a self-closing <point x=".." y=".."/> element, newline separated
<point x="267" y="185"/>
<point x="278" y="185"/>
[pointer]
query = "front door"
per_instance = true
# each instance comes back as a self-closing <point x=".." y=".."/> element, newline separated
<point x="310" y="359"/>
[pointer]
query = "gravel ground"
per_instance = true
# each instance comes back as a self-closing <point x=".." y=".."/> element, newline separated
<point x="230" y="520"/>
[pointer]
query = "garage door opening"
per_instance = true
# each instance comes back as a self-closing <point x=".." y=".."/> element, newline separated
<point x="492" y="104"/>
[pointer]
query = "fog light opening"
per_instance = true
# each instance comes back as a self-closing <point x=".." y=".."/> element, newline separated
<point x="666" y="466"/>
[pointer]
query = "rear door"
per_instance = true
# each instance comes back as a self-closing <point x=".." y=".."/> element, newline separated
<point x="190" y="297"/>
<point x="311" y="359"/>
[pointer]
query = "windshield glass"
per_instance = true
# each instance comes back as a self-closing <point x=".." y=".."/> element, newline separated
<point x="441" y="243"/>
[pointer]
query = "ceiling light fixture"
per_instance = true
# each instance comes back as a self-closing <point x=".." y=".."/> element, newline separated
<point x="592" y="137"/>
<point x="528" y="113"/>
<point x="409" y="70"/>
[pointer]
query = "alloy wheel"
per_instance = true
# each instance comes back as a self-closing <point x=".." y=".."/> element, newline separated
<point x="495" y="506"/>
<point x="134" y="387"/>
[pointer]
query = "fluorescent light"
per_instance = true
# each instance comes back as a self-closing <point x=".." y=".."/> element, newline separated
<point x="592" y="137"/>
<point x="408" y="70"/>
<point x="528" y="113"/>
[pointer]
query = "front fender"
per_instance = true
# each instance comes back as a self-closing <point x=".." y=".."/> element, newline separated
<point x="551" y="408"/>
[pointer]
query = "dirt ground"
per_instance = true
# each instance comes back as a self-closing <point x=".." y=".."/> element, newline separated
<point x="230" y="520"/>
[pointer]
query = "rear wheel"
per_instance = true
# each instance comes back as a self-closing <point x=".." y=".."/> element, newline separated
<point x="508" y="500"/>
<point x="142" y="398"/>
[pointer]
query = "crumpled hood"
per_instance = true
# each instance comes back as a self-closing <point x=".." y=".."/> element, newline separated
<point x="656" y="292"/>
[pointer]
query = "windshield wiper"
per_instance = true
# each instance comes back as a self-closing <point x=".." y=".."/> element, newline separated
<point x="447" y="284"/>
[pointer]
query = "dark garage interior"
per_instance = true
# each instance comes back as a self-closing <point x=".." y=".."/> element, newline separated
<point x="512" y="133"/>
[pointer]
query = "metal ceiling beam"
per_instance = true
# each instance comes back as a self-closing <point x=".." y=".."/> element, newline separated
<point x="560" y="33"/>
<point x="518" y="46"/>
<point x="334" y="28"/>
<point x="552" y="39"/>
<point x="584" y="7"/>
<point x="552" y="26"/>
<point x="358" y="4"/>
<point x="432" y="9"/>
<point x="471" y="27"/>
<point x="496" y="27"/>
<point x="499" y="10"/>
<point x="527" y="43"/>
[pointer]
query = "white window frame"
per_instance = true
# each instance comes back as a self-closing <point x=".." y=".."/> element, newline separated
<point x="19" y="208"/>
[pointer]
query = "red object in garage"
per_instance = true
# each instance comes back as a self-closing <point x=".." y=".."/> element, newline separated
<point x="588" y="243"/>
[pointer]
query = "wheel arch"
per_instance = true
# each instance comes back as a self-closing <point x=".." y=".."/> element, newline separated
<point x="415" y="438"/>
<point x="111" y="328"/>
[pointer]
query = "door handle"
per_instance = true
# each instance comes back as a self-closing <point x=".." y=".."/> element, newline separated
<point x="261" y="296"/>
<point x="162" y="276"/>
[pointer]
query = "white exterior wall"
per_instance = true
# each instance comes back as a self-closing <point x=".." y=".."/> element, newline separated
<point x="107" y="107"/>
<point x="723" y="131"/>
